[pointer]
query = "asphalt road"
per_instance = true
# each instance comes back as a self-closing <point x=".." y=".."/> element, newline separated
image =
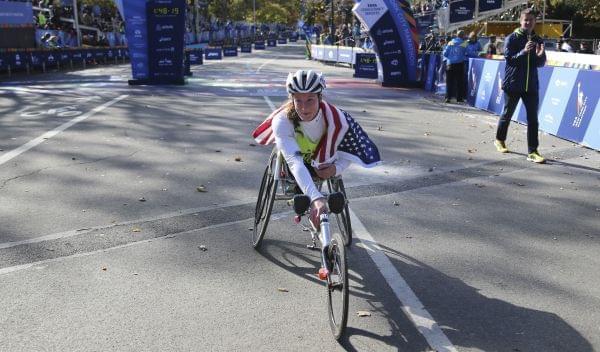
<point x="102" y="227"/>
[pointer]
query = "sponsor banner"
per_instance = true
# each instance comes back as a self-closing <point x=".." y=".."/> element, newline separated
<point x="365" y="65"/>
<point x="137" y="37"/>
<point x="3" y="61"/>
<point x="474" y="72"/>
<point x="16" y="13"/>
<point x="196" y="57"/>
<point x="569" y="99"/>
<point x="246" y="48"/>
<point x="213" y="54"/>
<point x="282" y="41"/>
<point x="230" y="51"/>
<point x="431" y="68"/>
<point x="580" y="107"/>
<point x="77" y="56"/>
<point x="260" y="45"/>
<point x="294" y="39"/>
<point x="488" y="5"/>
<point x="554" y="102"/>
<point x="486" y="84"/>
<point x="345" y="55"/>
<point x="52" y="58"/>
<point x="37" y="58"/>
<point x="496" y="104"/>
<point x="18" y="59"/>
<point x="592" y="135"/>
<point x="461" y="10"/>
<point x="271" y="42"/>
<point x="166" y="29"/>
<point x="425" y="23"/>
<point x="393" y="30"/>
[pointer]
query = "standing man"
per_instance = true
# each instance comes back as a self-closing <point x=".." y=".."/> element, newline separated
<point x="524" y="53"/>
<point x="454" y="55"/>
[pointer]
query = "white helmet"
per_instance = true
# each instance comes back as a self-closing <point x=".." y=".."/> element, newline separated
<point x="305" y="81"/>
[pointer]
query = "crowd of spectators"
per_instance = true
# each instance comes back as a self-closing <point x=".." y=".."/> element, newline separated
<point x="95" y="22"/>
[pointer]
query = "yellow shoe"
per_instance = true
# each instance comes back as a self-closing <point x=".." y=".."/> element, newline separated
<point x="536" y="157"/>
<point x="500" y="146"/>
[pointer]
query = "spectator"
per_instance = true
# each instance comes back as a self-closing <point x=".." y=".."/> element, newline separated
<point x="454" y="55"/>
<point x="585" y="48"/>
<point x="490" y="47"/>
<point x="473" y="47"/>
<point x="566" y="46"/>
<point x="524" y="53"/>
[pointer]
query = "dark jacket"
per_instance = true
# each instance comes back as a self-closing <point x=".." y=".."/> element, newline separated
<point x="521" y="73"/>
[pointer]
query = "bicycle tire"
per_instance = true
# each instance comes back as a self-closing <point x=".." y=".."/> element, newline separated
<point x="264" y="204"/>
<point x="342" y="219"/>
<point x="337" y="286"/>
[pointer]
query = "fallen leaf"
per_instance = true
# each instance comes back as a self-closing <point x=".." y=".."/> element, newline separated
<point x="471" y="150"/>
<point x="142" y="199"/>
<point x="363" y="313"/>
<point x="252" y="145"/>
<point x="201" y="188"/>
<point x="479" y="185"/>
<point x="250" y="229"/>
<point x="104" y="269"/>
<point x="202" y="248"/>
<point x="396" y="203"/>
<point x="282" y="289"/>
<point x="237" y="158"/>
<point x="455" y="204"/>
<point x="427" y="134"/>
<point x="217" y="151"/>
<point x="379" y="128"/>
<point x="136" y="229"/>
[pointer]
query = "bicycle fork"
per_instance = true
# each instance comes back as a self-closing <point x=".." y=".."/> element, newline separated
<point x="325" y="237"/>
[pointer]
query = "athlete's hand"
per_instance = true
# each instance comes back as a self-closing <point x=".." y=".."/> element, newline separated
<point x="318" y="207"/>
<point x="326" y="171"/>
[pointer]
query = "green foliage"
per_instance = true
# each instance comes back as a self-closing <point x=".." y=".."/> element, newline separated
<point x="267" y="11"/>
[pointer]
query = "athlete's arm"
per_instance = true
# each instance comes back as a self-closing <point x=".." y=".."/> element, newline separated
<point x="286" y="142"/>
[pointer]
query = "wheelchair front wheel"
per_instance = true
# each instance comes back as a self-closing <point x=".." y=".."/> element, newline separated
<point x="264" y="205"/>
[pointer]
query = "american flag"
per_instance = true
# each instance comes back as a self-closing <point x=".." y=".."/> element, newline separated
<point x="355" y="143"/>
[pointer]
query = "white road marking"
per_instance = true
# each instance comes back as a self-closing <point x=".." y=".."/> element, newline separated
<point x="12" y="269"/>
<point x="269" y="102"/>
<point x="34" y="142"/>
<point x="38" y="91"/>
<point x="72" y="233"/>
<point x="265" y="63"/>
<point x="411" y="305"/>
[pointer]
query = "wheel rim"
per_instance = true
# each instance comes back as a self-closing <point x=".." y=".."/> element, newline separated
<point x="337" y="288"/>
<point x="264" y="204"/>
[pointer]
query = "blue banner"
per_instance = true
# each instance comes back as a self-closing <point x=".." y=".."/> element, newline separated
<point x="488" y="5"/>
<point x="3" y="61"/>
<point x="16" y="13"/>
<point x="569" y="99"/>
<point x="259" y="45"/>
<point x="246" y="48"/>
<point x="271" y="42"/>
<point x="282" y="41"/>
<point x="365" y="65"/>
<point x="431" y="72"/>
<point x="196" y="57"/>
<point x="18" y="59"/>
<point x="213" y="54"/>
<point x="393" y="30"/>
<point x="592" y="135"/>
<point x="580" y="107"/>
<point x="166" y="29"/>
<point x="137" y="37"/>
<point x="461" y="10"/>
<point x="230" y="51"/>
